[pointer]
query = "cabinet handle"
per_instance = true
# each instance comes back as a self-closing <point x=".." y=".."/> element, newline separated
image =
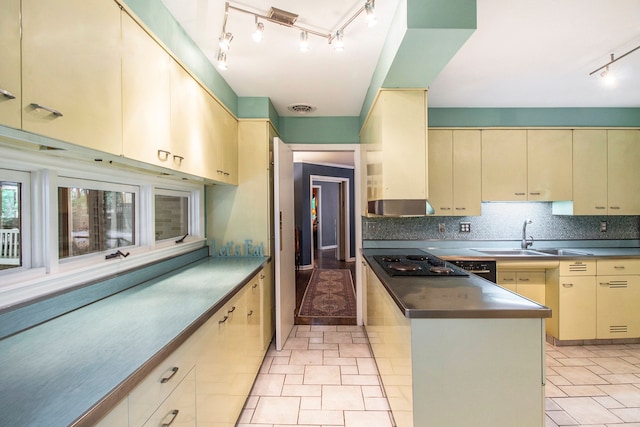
<point x="174" y="371"/>
<point x="614" y="207"/>
<point x="520" y="194"/>
<point x="461" y="209"/>
<point x="601" y="207"/>
<point x="232" y="309"/>
<point x="604" y="283"/>
<point x="174" y="415"/>
<point x="163" y="154"/>
<point x="180" y="158"/>
<point x="508" y="279"/>
<point x="255" y="285"/>
<point x="524" y="279"/>
<point x="535" y="193"/>
<point x="7" y="94"/>
<point x="220" y="171"/>
<point x="224" y="319"/>
<point x="42" y="107"/>
<point x="262" y="276"/>
<point x="250" y="313"/>
<point x="619" y="267"/>
<point x="445" y="209"/>
<point x="226" y="174"/>
<point x="567" y="285"/>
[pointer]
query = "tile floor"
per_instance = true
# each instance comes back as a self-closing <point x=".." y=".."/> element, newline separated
<point x="326" y="376"/>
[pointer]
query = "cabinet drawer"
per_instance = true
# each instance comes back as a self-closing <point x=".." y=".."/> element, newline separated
<point x="506" y="278"/>
<point x="578" y="268"/>
<point x="531" y="277"/>
<point x="155" y="388"/>
<point x="618" y="266"/>
<point x="179" y="409"/>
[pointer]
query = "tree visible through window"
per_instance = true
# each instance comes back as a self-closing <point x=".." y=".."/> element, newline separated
<point x="94" y="220"/>
<point x="10" y="255"/>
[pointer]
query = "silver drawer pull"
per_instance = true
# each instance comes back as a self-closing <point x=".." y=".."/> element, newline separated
<point x="224" y="319"/>
<point x="174" y="371"/>
<point x="445" y="209"/>
<point x="567" y="285"/>
<point x="520" y="194"/>
<point x="163" y="154"/>
<point x="174" y="415"/>
<point x="179" y="158"/>
<point x="461" y="209"/>
<point x="7" y="94"/>
<point x="535" y="193"/>
<point x="42" y="107"/>
<point x="619" y="267"/>
<point x="604" y="283"/>
<point x="601" y="207"/>
<point x="524" y="279"/>
<point x="614" y="207"/>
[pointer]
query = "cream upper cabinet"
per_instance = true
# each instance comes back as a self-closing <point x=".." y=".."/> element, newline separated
<point x="455" y="172"/>
<point x="590" y="172"/>
<point x="71" y="73"/>
<point x="146" y="97"/>
<point x="224" y="144"/>
<point x="10" y="86"/>
<point x="623" y="172"/>
<point x="396" y="132"/>
<point x="504" y="165"/>
<point x="549" y="164"/>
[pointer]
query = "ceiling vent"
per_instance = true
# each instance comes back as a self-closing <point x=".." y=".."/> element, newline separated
<point x="282" y="16"/>
<point x="301" y="108"/>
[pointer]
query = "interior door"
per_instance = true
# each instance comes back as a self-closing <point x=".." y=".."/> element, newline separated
<point x="284" y="253"/>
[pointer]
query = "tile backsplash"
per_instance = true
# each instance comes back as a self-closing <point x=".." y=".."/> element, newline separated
<point x="503" y="221"/>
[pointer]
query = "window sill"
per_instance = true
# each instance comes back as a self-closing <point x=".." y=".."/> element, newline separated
<point x="33" y="284"/>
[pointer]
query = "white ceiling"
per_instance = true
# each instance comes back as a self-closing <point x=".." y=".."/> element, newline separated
<point x="525" y="53"/>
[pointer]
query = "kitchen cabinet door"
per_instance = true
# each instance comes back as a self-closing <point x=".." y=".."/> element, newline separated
<point x="590" y="172"/>
<point x="10" y="79"/>
<point x="618" y="298"/>
<point x="531" y="284"/>
<point x="146" y="97"/>
<point x="623" y="171"/>
<point x="222" y="147"/>
<point x="441" y="171"/>
<point x="549" y="164"/>
<point x="71" y="72"/>
<point x="504" y="165"/>
<point x="467" y="172"/>
<point x="577" y="308"/>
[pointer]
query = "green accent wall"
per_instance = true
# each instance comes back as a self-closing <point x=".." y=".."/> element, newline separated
<point x="505" y="117"/>
<point x="157" y="17"/>
<point x="320" y="130"/>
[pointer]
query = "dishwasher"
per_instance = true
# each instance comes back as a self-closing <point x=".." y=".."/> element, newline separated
<point x="483" y="268"/>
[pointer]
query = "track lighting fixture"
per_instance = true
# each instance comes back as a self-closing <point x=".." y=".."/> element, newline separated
<point x="259" y="32"/>
<point x="288" y="19"/>
<point x="304" y="41"/>
<point x="606" y="73"/>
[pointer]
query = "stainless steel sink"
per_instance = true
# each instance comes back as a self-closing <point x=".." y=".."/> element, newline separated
<point x="563" y="252"/>
<point x="511" y="252"/>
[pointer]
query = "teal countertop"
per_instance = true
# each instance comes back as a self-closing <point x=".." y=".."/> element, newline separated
<point x="56" y="372"/>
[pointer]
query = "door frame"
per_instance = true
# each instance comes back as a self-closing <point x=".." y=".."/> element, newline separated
<point x="342" y="216"/>
<point x="358" y="203"/>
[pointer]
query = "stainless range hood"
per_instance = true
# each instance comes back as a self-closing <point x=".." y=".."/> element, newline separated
<point x="400" y="207"/>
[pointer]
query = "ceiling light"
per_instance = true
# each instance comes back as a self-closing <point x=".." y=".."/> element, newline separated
<point x="369" y="9"/>
<point x="338" y="44"/>
<point x="225" y="41"/>
<point x="222" y="60"/>
<point x="304" y="41"/>
<point x="259" y="32"/>
<point x="605" y="67"/>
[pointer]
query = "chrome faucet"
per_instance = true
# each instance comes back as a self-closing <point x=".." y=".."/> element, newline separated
<point x="526" y="243"/>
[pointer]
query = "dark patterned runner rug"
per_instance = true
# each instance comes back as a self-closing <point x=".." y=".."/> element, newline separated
<point x="329" y="293"/>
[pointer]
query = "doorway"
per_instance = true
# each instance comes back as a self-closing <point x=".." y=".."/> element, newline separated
<point x="330" y="216"/>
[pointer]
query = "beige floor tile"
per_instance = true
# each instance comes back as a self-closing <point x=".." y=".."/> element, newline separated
<point x="360" y="380"/>
<point x="303" y="328"/>
<point x="347" y="361"/>
<point x="558" y="380"/>
<point x="376" y="404"/>
<point x="245" y="416"/>
<point x="632" y="359"/>
<point x="579" y="375"/>
<point x="251" y="402"/>
<point x="314" y="346"/>
<point x="367" y="366"/>
<point x="628" y="415"/>
<point x="324" y="328"/>
<point x="627" y="394"/>
<point x="348" y="370"/>
<point x="332" y="353"/>
<point x="306" y="357"/>
<point x="350" y="328"/>
<point x="280" y="360"/>
<point x="296" y="344"/>
<point x="362" y="340"/>
<point x="581" y="390"/>
<point x="287" y="369"/>
<point x="293" y="379"/>
<point x="575" y="351"/>
<point x="268" y="385"/>
<point x="551" y="405"/>
<point x="561" y="418"/>
<point x="325" y="418"/>
<point x="277" y="410"/>
<point x="309" y="334"/>
<point x="318" y="340"/>
<point x="548" y="422"/>
<point x="322" y="375"/>
<point x="342" y="398"/>
<point x="354" y="350"/>
<point x="301" y="390"/>
<point x="338" y="337"/>
<point x="586" y="410"/>
<point x="608" y="402"/>
<point x="311" y="402"/>
<point x="575" y="361"/>
<point x="616" y="365"/>
<point x="621" y="378"/>
<point x="266" y="364"/>
<point x="372" y="391"/>
<point x="552" y="391"/>
<point x="366" y="419"/>
<point x="598" y="370"/>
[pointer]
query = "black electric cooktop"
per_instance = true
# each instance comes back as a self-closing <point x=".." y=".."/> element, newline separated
<point x="417" y="265"/>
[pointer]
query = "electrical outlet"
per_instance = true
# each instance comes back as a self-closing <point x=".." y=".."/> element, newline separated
<point x="441" y="227"/>
<point x="465" y="227"/>
<point x="603" y="226"/>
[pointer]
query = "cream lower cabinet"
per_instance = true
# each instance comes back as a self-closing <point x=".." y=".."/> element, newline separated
<point x="10" y="78"/>
<point x="71" y="72"/>
<point x="571" y="295"/>
<point x="179" y="409"/>
<point x="455" y="172"/>
<point x="618" y="298"/>
<point x="529" y="284"/>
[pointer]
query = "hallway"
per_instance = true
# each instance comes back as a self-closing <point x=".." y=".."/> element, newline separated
<point x="325" y="258"/>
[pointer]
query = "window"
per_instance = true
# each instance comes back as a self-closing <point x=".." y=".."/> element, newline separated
<point x="94" y="220"/>
<point x="10" y="224"/>
<point x="171" y="214"/>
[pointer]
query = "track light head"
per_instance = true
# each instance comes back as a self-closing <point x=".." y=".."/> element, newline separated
<point x="222" y="60"/>
<point x="338" y="43"/>
<point x="304" y="41"/>
<point x="370" y="12"/>
<point x="258" y="34"/>
<point x="225" y="41"/>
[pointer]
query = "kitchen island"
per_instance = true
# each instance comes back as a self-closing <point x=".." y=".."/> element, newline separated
<point x="455" y="351"/>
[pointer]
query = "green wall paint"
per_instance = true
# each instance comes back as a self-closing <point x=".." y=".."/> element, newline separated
<point x="157" y="17"/>
<point x="489" y="117"/>
<point x="441" y="14"/>
<point x="320" y="130"/>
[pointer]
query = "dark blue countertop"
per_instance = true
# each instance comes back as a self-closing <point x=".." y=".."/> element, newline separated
<point x="58" y="371"/>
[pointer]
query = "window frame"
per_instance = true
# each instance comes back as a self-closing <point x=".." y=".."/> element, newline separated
<point x="24" y="179"/>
